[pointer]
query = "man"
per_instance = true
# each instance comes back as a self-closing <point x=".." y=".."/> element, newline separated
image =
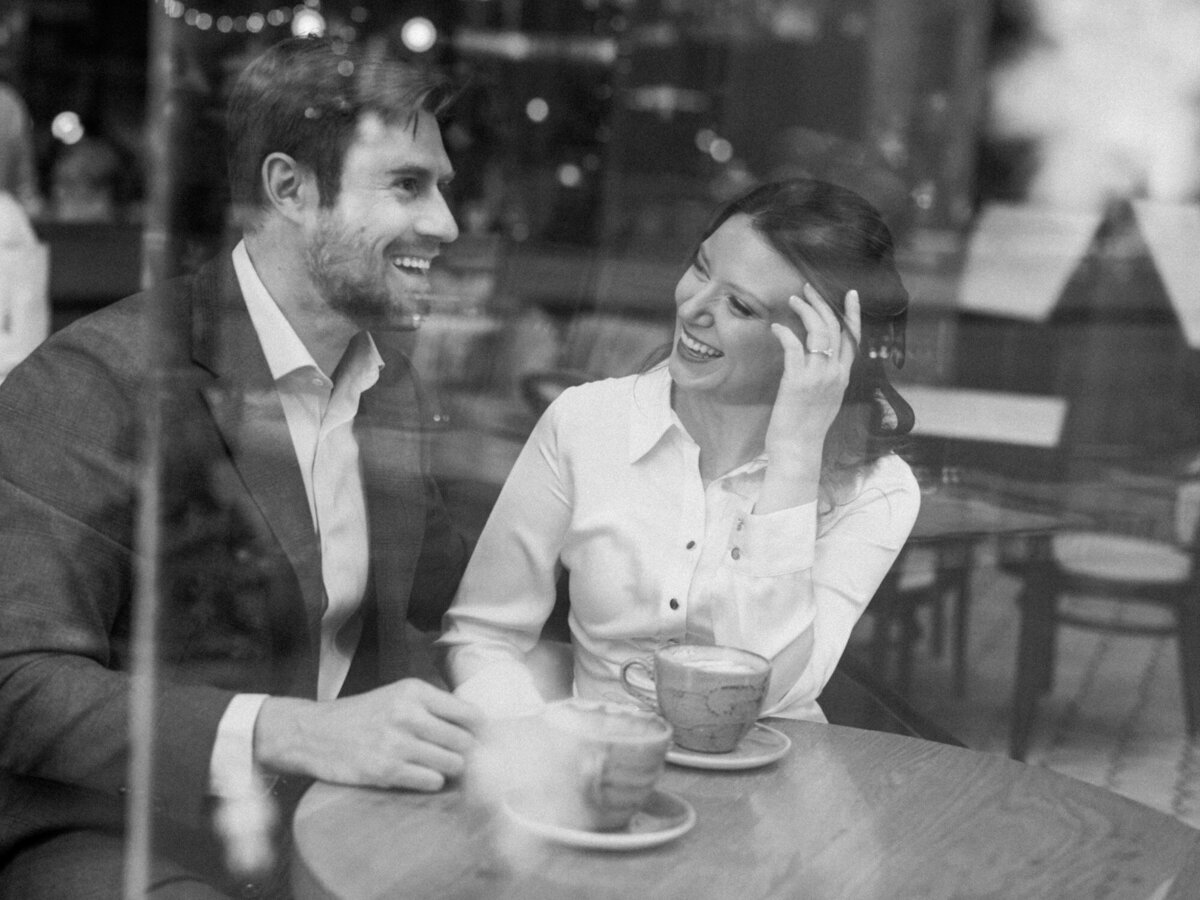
<point x="299" y="526"/>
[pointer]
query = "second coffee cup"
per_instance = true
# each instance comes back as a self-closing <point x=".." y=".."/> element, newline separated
<point x="711" y="695"/>
<point x="601" y="762"/>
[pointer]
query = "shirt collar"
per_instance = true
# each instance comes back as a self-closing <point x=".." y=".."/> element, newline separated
<point x="651" y="416"/>
<point x="284" y="350"/>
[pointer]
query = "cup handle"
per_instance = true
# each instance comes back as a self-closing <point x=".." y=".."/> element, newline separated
<point x="638" y="692"/>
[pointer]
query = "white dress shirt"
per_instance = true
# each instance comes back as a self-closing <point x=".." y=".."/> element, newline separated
<point x="608" y="485"/>
<point x="320" y="418"/>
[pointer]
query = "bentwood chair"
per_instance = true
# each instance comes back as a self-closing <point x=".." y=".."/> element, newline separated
<point x="1143" y="550"/>
<point x="1131" y="550"/>
<point x="934" y="577"/>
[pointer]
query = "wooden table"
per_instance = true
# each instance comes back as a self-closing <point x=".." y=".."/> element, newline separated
<point x="952" y="521"/>
<point x="971" y="514"/>
<point x="846" y="814"/>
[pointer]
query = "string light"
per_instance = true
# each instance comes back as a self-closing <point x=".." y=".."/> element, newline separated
<point x="305" y="18"/>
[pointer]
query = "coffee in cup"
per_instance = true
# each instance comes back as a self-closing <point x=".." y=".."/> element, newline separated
<point x="604" y="761"/>
<point x="710" y="694"/>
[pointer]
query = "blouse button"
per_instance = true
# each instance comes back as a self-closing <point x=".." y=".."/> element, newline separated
<point x="691" y="544"/>
<point x="674" y="604"/>
<point x="735" y="553"/>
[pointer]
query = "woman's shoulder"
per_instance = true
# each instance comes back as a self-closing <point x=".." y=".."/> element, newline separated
<point x="888" y="476"/>
<point x="891" y="469"/>
<point x="595" y="398"/>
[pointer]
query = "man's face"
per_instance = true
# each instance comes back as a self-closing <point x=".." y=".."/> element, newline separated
<point x="369" y="254"/>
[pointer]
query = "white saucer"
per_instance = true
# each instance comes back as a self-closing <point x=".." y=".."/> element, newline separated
<point x="664" y="817"/>
<point x="761" y="745"/>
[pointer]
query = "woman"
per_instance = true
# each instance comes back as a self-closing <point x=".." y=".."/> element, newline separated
<point x="745" y="492"/>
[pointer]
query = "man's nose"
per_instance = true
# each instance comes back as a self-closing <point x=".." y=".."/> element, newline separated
<point x="436" y="220"/>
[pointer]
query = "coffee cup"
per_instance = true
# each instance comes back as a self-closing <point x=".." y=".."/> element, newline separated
<point x="710" y="694"/>
<point x="603" y="763"/>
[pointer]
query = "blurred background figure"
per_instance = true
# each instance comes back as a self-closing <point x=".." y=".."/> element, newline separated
<point x="18" y="172"/>
<point x="24" y="302"/>
<point x="84" y="182"/>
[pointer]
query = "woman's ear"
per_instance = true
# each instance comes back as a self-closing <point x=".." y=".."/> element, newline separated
<point x="290" y="188"/>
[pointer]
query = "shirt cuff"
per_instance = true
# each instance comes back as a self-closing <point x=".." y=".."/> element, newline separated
<point x="232" y="771"/>
<point x="502" y="690"/>
<point x="777" y="543"/>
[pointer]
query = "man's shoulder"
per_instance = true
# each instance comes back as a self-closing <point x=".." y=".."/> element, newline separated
<point x="109" y="352"/>
<point x="128" y="330"/>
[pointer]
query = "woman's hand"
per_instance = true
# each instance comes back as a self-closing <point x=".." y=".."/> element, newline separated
<point x="815" y="374"/>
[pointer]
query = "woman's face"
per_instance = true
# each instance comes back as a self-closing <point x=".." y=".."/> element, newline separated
<point x="736" y="286"/>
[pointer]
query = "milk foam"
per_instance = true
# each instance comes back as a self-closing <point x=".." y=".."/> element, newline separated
<point x="723" y="666"/>
<point x="708" y="659"/>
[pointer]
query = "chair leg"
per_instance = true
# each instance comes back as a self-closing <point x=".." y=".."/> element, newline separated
<point x="1188" y="618"/>
<point x="962" y="616"/>
<point x="1049" y="657"/>
<point x="910" y="632"/>
<point x="937" y="626"/>
<point x="1034" y="642"/>
<point x="881" y="641"/>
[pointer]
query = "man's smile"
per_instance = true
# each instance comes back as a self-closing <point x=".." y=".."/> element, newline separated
<point x="412" y="265"/>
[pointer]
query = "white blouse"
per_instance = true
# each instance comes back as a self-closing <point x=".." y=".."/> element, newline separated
<point x="608" y="485"/>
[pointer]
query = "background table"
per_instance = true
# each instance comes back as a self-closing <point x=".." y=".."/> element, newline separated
<point x="934" y="570"/>
<point x="846" y="814"/>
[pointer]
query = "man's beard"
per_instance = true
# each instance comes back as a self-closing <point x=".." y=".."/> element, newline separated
<point x="354" y="281"/>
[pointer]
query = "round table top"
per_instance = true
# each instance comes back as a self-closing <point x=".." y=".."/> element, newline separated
<point x="845" y="814"/>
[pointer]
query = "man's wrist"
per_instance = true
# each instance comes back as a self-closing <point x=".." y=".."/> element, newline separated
<point x="232" y="769"/>
<point x="279" y="744"/>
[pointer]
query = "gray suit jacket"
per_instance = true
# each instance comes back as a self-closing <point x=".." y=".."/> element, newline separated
<point x="241" y="576"/>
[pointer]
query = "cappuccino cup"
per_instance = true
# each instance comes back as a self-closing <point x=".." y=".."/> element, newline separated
<point x="605" y="759"/>
<point x="711" y="695"/>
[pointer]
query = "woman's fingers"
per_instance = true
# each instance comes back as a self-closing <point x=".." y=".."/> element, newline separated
<point x="817" y="337"/>
<point x="853" y="317"/>
<point x="787" y="338"/>
<point x="820" y="321"/>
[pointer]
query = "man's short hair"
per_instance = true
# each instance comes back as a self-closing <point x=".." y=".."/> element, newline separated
<point x="305" y="97"/>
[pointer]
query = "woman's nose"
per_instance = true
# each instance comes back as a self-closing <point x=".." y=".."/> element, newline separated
<point x="697" y="307"/>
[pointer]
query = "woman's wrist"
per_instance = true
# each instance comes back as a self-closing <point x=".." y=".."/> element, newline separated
<point x="790" y="481"/>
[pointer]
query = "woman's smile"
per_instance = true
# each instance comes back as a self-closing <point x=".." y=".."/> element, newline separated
<point x="695" y="349"/>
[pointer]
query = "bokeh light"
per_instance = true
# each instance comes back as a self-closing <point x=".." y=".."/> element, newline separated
<point x="308" y="22"/>
<point x="570" y="175"/>
<point x="418" y="34"/>
<point x="537" y="109"/>
<point x="721" y="150"/>
<point x="67" y="127"/>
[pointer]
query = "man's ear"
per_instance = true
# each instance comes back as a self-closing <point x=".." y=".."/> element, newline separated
<point x="290" y="187"/>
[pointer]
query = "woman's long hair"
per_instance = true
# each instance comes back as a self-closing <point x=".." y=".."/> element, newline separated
<point x="838" y="242"/>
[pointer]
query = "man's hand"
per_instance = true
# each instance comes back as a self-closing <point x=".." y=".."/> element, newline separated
<point x="409" y="734"/>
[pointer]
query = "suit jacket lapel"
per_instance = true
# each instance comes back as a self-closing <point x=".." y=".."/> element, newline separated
<point x="247" y="411"/>
<point x="390" y="435"/>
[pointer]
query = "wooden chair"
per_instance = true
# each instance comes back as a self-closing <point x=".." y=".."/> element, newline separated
<point x="936" y="576"/>
<point x="1128" y="557"/>
<point x="855" y="696"/>
<point x="1139" y="544"/>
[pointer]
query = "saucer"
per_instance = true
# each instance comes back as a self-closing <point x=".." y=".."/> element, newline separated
<point x="761" y="745"/>
<point x="664" y="817"/>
